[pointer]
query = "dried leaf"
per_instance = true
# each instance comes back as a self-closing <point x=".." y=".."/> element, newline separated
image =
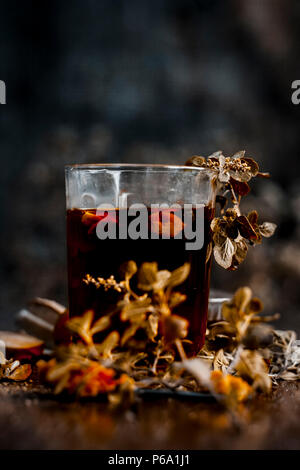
<point x="241" y="251"/>
<point x="289" y="376"/>
<point x="129" y="332"/>
<point x="241" y="188"/>
<point x="200" y="370"/>
<point x="253" y="218"/>
<point x="221" y="329"/>
<point x="258" y="336"/>
<point x="100" y="325"/>
<point x="175" y="299"/>
<point x="252" y="164"/>
<point x="111" y="341"/>
<point x="128" y="269"/>
<point x="223" y="254"/>
<point x="179" y="275"/>
<point x="196" y="160"/>
<point x="245" y="228"/>
<point x="147" y="276"/>
<point x="230" y="313"/>
<point x="242" y="298"/>
<point x="136" y="309"/>
<point x="215" y="155"/>
<point x="239" y="154"/>
<point x="152" y="326"/>
<point x="253" y="367"/>
<point x="82" y="326"/>
<point x="20" y="373"/>
<point x="267" y="229"/>
<point x="237" y="311"/>
<point x="162" y="280"/>
<point x="174" y="327"/>
<point x="220" y="361"/>
<point x="56" y="371"/>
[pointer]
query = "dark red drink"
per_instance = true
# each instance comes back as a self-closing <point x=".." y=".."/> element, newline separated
<point x="87" y="254"/>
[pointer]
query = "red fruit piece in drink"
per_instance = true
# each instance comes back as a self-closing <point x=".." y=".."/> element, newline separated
<point x="91" y="219"/>
<point x="165" y="222"/>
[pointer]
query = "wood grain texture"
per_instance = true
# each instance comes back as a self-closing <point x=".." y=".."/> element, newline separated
<point x="31" y="419"/>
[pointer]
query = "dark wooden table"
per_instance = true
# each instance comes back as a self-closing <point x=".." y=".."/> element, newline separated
<point x="30" y="418"/>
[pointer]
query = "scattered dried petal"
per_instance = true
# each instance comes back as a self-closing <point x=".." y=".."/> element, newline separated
<point x="251" y="366"/>
<point x="21" y="373"/>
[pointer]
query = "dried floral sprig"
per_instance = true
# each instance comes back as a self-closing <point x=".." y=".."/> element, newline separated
<point x="150" y="313"/>
<point x="233" y="232"/>
<point x="239" y="316"/>
<point x="107" y="284"/>
<point x="83" y="378"/>
<point x="241" y="355"/>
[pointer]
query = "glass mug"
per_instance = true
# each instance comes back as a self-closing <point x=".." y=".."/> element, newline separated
<point x="103" y="203"/>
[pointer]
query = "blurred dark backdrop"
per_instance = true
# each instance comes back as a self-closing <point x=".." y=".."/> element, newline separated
<point x="145" y="81"/>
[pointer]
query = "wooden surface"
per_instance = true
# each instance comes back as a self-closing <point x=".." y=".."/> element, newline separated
<point x="31" y="419"/>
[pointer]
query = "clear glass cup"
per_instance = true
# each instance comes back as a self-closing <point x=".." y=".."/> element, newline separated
<point x="103" y="203"/>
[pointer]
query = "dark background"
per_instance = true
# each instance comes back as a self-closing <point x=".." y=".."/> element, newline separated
<point x="145" y="81"/>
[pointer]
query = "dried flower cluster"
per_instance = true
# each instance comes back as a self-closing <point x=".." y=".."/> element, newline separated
<point x="242" y="355"/>
<point x="84" y="377"/>
<point x="109" y="283"/>
<point x="150" y="336"/>
<point x="241" y="341"/>
<point x="234" y="232"/>
<point x="151" y="311"/>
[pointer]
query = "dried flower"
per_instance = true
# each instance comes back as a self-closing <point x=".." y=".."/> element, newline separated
<point x="82" y="379"/>
<point x="238" y="316"/>
<point x="240" y="358"/>
<point x="235" y="389"/>
<point x="225" y="387"/>
<point x="233" y="232"/>
<point x="238" y="167"/>
<point x="150" y="313"/>
<point x="109" y="283"/>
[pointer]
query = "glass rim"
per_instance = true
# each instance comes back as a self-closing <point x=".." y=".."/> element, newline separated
<point x="134" y="166"/>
